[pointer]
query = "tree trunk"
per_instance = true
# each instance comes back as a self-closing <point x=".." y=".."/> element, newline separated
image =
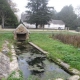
<point x="43" y="26"/>
<point x="2" y="21"/>
<point x="36" y="25"/>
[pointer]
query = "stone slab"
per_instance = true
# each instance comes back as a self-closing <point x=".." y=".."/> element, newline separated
<point x="38" y="48"/>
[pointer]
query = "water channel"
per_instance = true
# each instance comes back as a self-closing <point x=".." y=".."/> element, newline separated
<point x="35" y="65"/>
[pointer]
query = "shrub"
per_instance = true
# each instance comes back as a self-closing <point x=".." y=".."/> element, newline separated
<point x="68" y="39"/>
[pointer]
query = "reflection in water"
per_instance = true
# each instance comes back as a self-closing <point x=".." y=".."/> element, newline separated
<point x="33" y="62"/>
<point x="24" y="67"/>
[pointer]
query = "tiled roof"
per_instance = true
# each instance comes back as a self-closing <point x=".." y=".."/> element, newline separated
<point x="57" y="22"/>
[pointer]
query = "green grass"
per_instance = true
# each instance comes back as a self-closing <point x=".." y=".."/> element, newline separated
<point x="13" y="76"/>
<point x="5" y="36"/>
<point x="57" y="49"/>
<point x="10" y="55"/>
<point x="9" y="37"/>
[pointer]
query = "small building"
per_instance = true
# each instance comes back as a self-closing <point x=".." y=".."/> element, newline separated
<point x="55" y="24"/>
<point x="21" y="33"/>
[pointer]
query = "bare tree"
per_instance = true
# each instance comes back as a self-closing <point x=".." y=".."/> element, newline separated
<point x="13" y="6"/>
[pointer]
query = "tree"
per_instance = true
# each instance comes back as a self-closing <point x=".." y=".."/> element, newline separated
<point x="54" y="14"/>
<point x="11" y="20"/>
<point x="77" y="11"/>
<point x="13" y="6"/>
<point x="5" y="11"/>
<point x="3" y="7"/>
<point x="38" y="12"/>
<point x="68" y="15"/>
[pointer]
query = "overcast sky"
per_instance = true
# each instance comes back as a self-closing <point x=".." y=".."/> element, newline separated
<point x="57" y="4"/>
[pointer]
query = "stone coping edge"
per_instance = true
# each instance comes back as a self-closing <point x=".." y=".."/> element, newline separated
<point x="38" y="48"/>
<point x="14" y="64"/>
<point x="67" y="67"/>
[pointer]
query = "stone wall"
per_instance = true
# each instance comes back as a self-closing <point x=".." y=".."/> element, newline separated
<point x="4" y="65"/>
<point x="7" y="67"/>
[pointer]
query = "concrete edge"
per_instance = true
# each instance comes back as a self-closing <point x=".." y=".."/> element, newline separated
<point x="38" y="48"/>
<point x="68" y="68"/>
<point x="14" y="64"/>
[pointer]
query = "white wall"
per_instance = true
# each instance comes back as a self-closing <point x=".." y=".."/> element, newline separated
<point x="53" y="26"/>
<point x="29" y="25"/>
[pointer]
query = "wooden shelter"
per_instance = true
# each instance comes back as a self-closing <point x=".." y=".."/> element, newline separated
<point x="21" y="33"/>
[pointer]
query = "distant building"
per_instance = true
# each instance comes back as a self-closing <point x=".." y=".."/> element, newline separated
<point x="55" y="24"/>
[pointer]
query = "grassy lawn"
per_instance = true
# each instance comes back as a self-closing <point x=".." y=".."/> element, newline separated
<point x="5" y="36"/>
<point x="57" y="49"/>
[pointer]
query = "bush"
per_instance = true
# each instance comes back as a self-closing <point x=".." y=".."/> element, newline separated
<point x="68" y="39"/>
